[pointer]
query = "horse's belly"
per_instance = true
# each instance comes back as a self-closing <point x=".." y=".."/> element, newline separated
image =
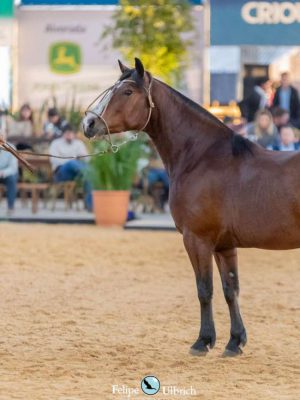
<point x="270" y="236"/>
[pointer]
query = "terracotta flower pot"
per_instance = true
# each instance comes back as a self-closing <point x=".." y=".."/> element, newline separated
<point x="110" y="207"/>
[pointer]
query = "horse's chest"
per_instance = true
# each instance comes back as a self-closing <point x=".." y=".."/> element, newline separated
<point x="196" y="213"/>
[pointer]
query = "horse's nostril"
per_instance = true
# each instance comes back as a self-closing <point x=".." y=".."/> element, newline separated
<point x="91" y="124"/>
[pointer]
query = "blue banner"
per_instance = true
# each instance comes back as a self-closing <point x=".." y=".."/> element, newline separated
<point x="79" y="2"/>
<point x="244" y="22"/>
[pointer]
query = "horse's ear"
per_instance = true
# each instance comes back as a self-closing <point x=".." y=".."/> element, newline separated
<point x="139" y="67"/>
<point x="123" y="67"/>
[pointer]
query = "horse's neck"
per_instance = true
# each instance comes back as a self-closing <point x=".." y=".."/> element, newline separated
<point x="177" y="126"/>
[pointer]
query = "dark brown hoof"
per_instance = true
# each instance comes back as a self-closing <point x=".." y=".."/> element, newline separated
<point x="230" y="353"/>
<point x="198" y="353"/>
<point x="202" y="344"/>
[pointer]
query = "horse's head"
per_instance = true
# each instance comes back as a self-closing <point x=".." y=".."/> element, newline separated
<point x="125" y="106"/>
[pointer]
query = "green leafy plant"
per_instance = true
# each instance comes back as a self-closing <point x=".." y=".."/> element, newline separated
<point x="115" y="171"/>
<point x="153" y="31"/>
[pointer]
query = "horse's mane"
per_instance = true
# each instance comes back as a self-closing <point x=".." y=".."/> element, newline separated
<point x="239" y="145"/>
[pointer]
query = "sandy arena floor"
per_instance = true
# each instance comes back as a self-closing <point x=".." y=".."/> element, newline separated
<point x="84" y="308"/>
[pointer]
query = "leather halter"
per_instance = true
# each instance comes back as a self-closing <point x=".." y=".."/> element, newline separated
<point x="109" y="92"/>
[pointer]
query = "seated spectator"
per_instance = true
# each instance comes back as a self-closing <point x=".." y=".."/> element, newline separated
<point x="9" y="177"/>
<point x="23" y="124"/>
<point x="287" y="140"/>
<point x="69" y="170"/>
<point x="157" y="174"/>
<point x="280" y="117"/>
<point x="53" y="128"/>
<point x="263" y="131"/>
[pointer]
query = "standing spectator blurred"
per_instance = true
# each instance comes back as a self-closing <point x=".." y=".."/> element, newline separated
<point x="287" y="141"/>
<point x="69" y="170"/>
<point x="280" y="117"/>
<point x="257" y="100"/>
<point x="287" y="98"/>
<point x="262" y="130"/>
<point x="53" y="128"/>
<point x="9" y="177"/>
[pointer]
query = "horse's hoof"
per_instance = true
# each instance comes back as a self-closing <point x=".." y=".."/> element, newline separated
<point x="231" y="353"/>
<point x="198" y="352"/>
<point x="202" y="344"/>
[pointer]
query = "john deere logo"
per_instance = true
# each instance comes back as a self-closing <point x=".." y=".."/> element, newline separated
<point x="65" y="58"/>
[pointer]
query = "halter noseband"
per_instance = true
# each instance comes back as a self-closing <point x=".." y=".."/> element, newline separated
<point x="109" y="93"/>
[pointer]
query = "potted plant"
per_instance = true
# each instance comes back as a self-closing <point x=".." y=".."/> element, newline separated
<point x="112" y="175"/>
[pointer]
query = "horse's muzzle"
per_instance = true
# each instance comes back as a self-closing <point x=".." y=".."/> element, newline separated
<point x="93" y="126"/>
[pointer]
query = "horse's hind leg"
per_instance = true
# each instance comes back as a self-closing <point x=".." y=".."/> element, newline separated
<point x="227" y="264"/>
<point x="201" y="258"/>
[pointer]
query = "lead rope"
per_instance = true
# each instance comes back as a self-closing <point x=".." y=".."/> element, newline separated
<point x="114" y="148"/>
<point x="7" y="147"/>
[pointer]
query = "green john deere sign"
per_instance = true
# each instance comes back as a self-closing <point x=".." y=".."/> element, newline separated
<point x="65" y="58"/>
<point x="6" y="8"/>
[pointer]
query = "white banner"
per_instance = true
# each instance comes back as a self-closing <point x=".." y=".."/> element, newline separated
<point x="62" y="54"/>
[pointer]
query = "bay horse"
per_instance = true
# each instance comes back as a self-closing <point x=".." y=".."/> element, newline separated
<point x="225" y="191"/>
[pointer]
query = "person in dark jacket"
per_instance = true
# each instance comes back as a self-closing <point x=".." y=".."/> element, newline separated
<point x="257" y="100"/>
<point x="287" y="98"/>
<point x="53" y="128"/>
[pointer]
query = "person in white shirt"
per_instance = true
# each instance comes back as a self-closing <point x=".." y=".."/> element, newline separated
<point x="69" y="170"/>
<point x="9" y="177"/>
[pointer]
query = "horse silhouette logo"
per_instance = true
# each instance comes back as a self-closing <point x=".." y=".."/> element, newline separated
<point x="150" y="385"/>
<point x="65" y="58"/>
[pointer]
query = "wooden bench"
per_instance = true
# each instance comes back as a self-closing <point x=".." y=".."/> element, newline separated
<point x="35" y="190"/>
<point x="50" y="190"/>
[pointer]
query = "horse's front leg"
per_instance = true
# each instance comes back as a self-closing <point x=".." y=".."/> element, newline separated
<point x="228" y="268"/>
<point x="200" y="254"/>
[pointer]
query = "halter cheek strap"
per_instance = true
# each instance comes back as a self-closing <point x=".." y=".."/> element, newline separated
<point x="109" y="92"/>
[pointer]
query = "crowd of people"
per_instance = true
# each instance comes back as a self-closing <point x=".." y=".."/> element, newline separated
<point x="272" y="118"/>
<point x="269" y="118"/>
<point x="63" y="142"/>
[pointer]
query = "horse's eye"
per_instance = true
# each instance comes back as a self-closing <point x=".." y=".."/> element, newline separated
<point x="128" y="92"/>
